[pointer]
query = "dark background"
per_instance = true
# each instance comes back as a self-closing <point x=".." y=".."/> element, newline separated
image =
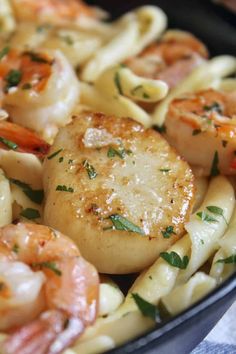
<point x="215" y="25"/>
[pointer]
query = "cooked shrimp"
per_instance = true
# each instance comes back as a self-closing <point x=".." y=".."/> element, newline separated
<point x="52" y="11"/>
<point x="202" y="127"/>
<point x="48" y="292"/>
<point x="15" y="137"/>
<point x="39" y="90"/>
<point x="171" y="59"/>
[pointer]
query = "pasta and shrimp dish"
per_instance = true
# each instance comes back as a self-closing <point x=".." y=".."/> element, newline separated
<point x="117" y="157"/>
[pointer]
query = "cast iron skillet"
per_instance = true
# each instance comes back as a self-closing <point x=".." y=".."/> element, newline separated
<point x="217" y="28"/>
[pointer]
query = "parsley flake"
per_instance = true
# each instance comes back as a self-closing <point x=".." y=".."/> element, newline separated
<point x="228" y="260"/>
<point x="54" y="154"/>
<point x="175" y="260"/>
<point x="121" y="223"/>
<point x="4" y="52"/>
<point x="169" y="230"/>
<point x="90" y="169"/>
<point x="8" y="143"/>
<point x="160" y="129"/>
<point x="118" y="83"/>
<point x="30" y="213"/>
<point x="63" y="188"/>
<point x="214" y="167"/>
<point x="217" y="211"/>
<point x="214" y="107"/>
<point x="49" y="265"/>
<point x="13" y="78"/>
<point x="196" y="132"/>
<point x="120" y="152"/>
<point x="35" y="195"/>
<point x="146" y="308"/>
<point x="206" y="217"/>
<point x="164" y="169"/>
<point x="15" y="248"/>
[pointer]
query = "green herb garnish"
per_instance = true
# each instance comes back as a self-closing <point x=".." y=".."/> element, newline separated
<point x="229" y="260"/>
<point x="121" y="223"/>
<point x="206" y="217"/>
<point x="161" y="129"/>
<point x="37" y="57"/>
<point x="224" y="143"/>
<point x="164" y="169"/>
<point x="15" y="248"/>
<point x="54" y="154"/>
<point x="146" y="308"/>
<point x="217" y="211"/>
<point x="118" y="83"/>
<point x="61" y="159"/>
<point x="49" y="265"/>
<point x="30" y="213"/>
<point x="214" y="167"/>
<point x="215" y="106"/>
<point x="120" y="152"/>
<point x="196" y="131"/>
<point x="169" y="230"/>
<point x="26" y="86"/>
<point x="64" y="188"/>
<point x="67" y="39"/>
<point x="8" y="143"/>
<point x="90" y="169"/>
<point x="13" y="78"/>
<point x="35" y="196"/>
<point x="138" y="88"/>
<point x="4" y="52"/>
<point x="175" y="260"/>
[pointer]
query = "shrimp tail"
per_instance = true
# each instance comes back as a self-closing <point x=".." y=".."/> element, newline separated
<point x="50" y="334"/>
<point x="24" y="139"/>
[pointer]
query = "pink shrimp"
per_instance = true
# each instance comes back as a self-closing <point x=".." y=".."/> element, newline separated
<point x="42" y="270"/>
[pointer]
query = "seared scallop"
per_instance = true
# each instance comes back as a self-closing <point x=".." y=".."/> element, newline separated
<point x="118" y="190"/>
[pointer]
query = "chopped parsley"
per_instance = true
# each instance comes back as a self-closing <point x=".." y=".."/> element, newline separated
<point x="90" y="169"/>
<point x="13" y="78"/>
<point x="26" y="86"/>
<point x="61" y="159"/>
<point x="206" y="217"/>
<point x="138" y="88"/>
<point x="4" y="52"/>
<point x="175" y="260"/>
<point x="67" y="39"/>
<point x="70" y="161"/>
<point x="214" y="107"/>
<point x="160" y="129"/>
<point x="146" y="308"/>
<point x="30" y="213"/>
<point x="54" y="154"/>
<point x="64" y="188"/>
<point x="118" y="83"/>
<point x="214" y="167"/>
<point x="49" y="265"/>
<point x="121" y="223"/>
<point x="228" y="260"/>
<point x="35" y="195"/>
<point x="224" y="143"/>
<point x="8" y="143"/>
<point x="15" y="248"/>
<point x="36" y="58"/>
<point x="217" y="211"/>
<point x="169" y="230"/>
<point x="196" y="132"/>
<point x="120" y="152"/>
<point x="164" y="169"/>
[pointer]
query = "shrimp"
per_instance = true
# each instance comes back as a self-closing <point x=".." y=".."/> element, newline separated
<point x="171" y="59"/>
<point x="52" y="11"/>
<point x="14" y="137"/>
<point x="48" y="292"/>
<point x="39" y="90"/>
<point x="202" y="127"/>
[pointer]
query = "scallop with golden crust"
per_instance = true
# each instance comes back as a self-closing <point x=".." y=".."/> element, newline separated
<point x="118" y="190"/>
